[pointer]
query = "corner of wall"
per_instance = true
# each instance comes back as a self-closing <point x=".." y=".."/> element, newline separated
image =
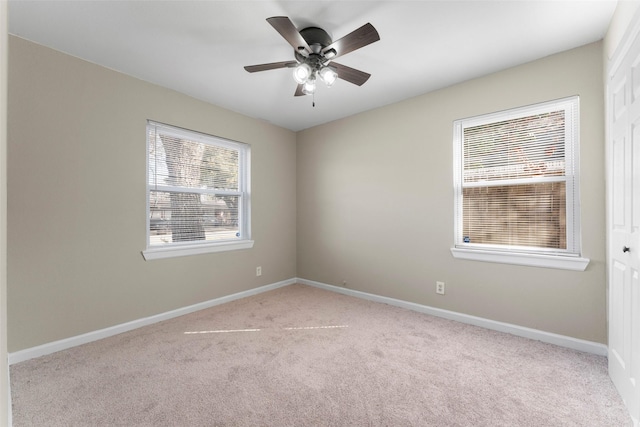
<point x="5" y="395"/>
<point x="622" y="18"/>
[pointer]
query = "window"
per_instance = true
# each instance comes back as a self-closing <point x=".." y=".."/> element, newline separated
<point x="197" y="193"/>
<point x="516" y="186"/>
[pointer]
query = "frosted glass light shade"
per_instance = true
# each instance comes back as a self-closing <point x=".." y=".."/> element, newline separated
<point x="309" y="86"/>
<point x="329" y="75"/>
<point x="301" y="73"/>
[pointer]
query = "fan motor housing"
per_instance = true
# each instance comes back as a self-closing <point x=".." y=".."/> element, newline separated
<point x="316" y="36"/>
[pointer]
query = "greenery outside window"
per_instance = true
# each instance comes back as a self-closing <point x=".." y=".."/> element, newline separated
<point x="516" y="186"/>
<point x="197" y="193"/>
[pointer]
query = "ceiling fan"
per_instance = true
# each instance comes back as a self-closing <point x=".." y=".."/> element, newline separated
<point x="314" y="52"/>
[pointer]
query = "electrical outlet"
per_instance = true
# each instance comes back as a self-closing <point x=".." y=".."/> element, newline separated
<point x="258" y="271"/>
<point x="344" y="283"/>
<point x="440" y="288"/>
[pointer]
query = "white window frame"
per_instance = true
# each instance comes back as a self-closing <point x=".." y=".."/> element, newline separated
<point x="569" y="259"/>
<point x="244" y="210"/>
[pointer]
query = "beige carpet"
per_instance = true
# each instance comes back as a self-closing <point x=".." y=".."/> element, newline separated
<point x="301" y="356"/>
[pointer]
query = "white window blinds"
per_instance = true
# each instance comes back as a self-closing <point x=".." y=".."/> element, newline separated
<point x="516" y="179"/>
<point x="197" y="187"/>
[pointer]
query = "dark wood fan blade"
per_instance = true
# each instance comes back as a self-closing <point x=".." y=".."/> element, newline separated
<point x="351" y="75"/>
<point x="361" y="37"/>
<point x="285" y="27"/>
<point x="299" y="91"/>
<point x="270" y="66"/>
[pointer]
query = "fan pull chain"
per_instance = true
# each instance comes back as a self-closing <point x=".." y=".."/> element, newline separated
<point x="313" y="102"/>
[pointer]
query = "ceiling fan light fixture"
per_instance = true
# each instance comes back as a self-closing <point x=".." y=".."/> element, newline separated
<point x="309" y="87"/>
<point x="302" y="72"/>
<point x="329" y="75"/>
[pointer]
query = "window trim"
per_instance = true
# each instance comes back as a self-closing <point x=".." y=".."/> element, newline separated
<point x="244" y="191"/>
<point x="569" y="259"/>
<point x="562" y="262"/>
<point x="186" y="250"/>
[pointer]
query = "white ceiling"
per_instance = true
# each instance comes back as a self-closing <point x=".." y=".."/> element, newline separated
<point x="200" y="47"/>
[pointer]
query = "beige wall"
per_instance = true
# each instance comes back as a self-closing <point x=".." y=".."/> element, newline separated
<point x="4" y="363"/>
<point x="76" y="150"/>
<point x="375" y="202"/>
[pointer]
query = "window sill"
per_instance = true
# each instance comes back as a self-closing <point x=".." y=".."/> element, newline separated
<point x="530" y="260"/>
<point x="172" y="252"/>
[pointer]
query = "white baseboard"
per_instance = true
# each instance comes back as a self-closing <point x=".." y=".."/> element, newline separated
<point x="9" y="405"/>
<point x="548" y="337"/>
<point x="521" y="331"/>
<point x="52" y="347"/>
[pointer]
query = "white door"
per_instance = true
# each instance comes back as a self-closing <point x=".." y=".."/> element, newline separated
<point x="623" y="153"/>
